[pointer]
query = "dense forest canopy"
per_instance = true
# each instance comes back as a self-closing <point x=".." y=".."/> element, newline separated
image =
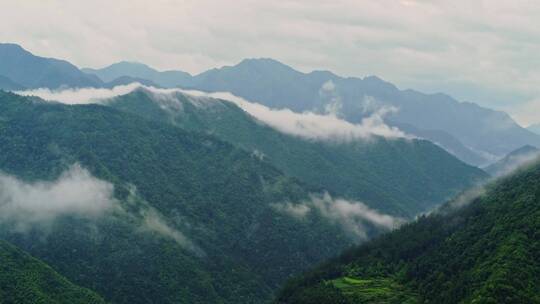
<point x="480" y="248"/>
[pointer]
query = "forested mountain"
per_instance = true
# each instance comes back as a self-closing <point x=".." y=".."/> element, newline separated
<point x="464" y="129"/>
<point x="513" y="160"/>
<point x="193" y="219"/>
<point x="481" y="248"/>
<point x="30" y="71"/>
<point x="397" y="176"/>
<point x="26" y="280"/>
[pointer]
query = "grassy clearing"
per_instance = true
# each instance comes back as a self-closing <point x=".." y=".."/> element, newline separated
<point x="374" y="290"/>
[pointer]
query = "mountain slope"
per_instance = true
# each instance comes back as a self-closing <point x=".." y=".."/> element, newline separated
<point x="446" y="141"/>
<point x="400" y="177"/>
<point x="7" y="84"/>
<point x="513" y="160"/>
<point x="197" y="221"/>
<point x="485" y="252"/>
<point x="24" y="279"/>
<point x="31" y="71"/>
<point x="168" y="79"/>
<point x="534" y="128"/>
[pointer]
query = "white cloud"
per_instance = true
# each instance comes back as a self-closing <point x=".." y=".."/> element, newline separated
<point x="310" y="125"/>
<point x="514" y="162"/>
<point x="333" y="100"/>
<point x="353" y="216"/>
<point x="154" y="222"/>
<point x="298" y="211"/>
<point x="75" y="192"/>
<point x="465" y="198"/>
<point x="80" y="96"/>
<point x="306" y="125"/>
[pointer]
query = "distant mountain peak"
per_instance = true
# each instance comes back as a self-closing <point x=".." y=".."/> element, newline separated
<point x="263" y="64"/>
<point x="261" y="60"/>
<point x="12" y="46"/>
<point x="12" y="49"/>
<point x="524" y="149"/>
<point x="31" y="71"/>
<point x="513" y="160"/>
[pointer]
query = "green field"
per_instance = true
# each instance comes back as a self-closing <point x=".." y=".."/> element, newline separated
<point x="373" y="290"/>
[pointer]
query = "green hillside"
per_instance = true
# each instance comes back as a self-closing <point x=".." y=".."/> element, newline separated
<point x="219" y="197"/>
<point x="26" y="280"/>
<point x="486" y="252"/>
<point x="400" y="177"/>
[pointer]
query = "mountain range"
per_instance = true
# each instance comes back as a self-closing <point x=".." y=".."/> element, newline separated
<point x="476" y="135"/>
<point x="463" y="128"/>
<point x="162" y="195"/>
<point x="167" y="79"/>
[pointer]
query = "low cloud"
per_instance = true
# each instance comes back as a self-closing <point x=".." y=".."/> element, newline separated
<point x="80" y="96"/>
<point x="467" y="197"/>
<point x="515" y="162"/>
<point x="153" y="221"/>
<point x="353" y="216"/>
<point x="334" y="104"/>
<point x="310" y="125"/>
<point x="298" y="211"/>
<point x="75" y="192"/>
<point x="306" y="125"/>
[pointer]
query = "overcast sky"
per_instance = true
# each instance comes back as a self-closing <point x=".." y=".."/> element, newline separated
<point x="482" y="51"/>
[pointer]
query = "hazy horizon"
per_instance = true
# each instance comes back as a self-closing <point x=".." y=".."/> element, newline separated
<point x="468" y="50"/>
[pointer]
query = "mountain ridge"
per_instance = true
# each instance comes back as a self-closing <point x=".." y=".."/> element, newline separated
<point x="277" y="85"/>
<point x="32" y="71"/>
<point x="272" y="83"/>
<point x="513" y="160"/>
